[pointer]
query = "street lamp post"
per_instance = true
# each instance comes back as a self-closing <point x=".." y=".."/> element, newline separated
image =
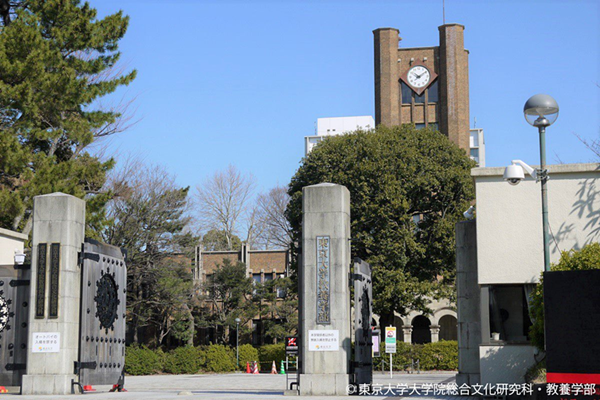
<point x="237" y="341"/>
<point x="541" y="111"/>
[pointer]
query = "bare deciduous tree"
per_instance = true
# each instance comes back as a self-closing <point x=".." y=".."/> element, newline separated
<point x="275" y="229"/>
<point x="223" y="204"/>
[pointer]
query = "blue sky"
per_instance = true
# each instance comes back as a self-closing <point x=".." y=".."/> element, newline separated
<point x="233" y="82"/>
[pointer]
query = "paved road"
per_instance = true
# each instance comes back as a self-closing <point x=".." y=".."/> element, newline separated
<point x="243" y="386"/>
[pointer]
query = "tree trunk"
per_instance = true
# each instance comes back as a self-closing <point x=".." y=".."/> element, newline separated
<point x="192" y="327"/>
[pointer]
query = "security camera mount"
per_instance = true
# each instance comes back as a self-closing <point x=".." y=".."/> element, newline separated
<point x="540" y="175"/>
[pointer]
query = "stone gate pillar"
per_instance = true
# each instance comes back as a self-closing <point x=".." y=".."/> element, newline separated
<point x="324" y="291"/>
<point x="58" y="233"/>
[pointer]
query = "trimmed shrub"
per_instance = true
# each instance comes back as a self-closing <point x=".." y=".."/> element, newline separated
<point x="401" y="360"/>
<point x="272" y="352"/>
<point x="219" y="358"/>
<point x="184" y="360"/>
<point x="143" y="361"/>
<point x="248" y="353"/>
<point x="432" y="356"/>
<point x="441" y="355"/>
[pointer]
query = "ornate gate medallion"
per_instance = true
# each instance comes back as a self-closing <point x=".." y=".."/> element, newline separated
<point x="4" y="313"/>
<point x="107" y="301"/>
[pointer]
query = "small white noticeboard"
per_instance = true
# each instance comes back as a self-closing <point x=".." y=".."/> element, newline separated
<point x="328" y="340"/>
<point x="45" y="342"/>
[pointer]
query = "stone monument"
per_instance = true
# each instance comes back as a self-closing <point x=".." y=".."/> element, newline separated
<point x="324" y="291"/>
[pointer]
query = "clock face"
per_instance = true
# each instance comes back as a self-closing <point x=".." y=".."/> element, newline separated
<point x="418" y="76"/>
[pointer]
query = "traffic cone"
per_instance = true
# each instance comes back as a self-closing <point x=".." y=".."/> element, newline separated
<point x="3" y="389"/>
<point x="248" y="371"/>
<point x="282" y="369"/>
<point x="88" y="388"/>
<point x="274" y="368"/>
<point x="255" y="371"/>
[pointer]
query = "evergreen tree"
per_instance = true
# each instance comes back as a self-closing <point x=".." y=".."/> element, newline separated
<point x="408" y="188"/>
<point x="56" y="61"/>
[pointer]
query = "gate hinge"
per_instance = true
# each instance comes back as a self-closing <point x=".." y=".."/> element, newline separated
<point x="359" y="364"/>
<point x="15" y="367"/>
<point x="85" y="365"/>
<point x="19" y="282"/>
<point x="81" y="256"/>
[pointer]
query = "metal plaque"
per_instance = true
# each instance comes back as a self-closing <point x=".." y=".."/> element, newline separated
<point x="40" y="290"/>
<point x="323" y="280"/>
<point x="54" y="276"/>
<point x="103" y="291"/>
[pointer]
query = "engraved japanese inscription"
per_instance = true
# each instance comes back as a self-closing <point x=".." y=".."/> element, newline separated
<point x="40" y="290"/>
<point x="323" y="282"/>
<point x="54" y="275"/>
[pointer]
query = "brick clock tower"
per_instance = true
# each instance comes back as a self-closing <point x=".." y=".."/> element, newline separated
<point x="424" y="85"/>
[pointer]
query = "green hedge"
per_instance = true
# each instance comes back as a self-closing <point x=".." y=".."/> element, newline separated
<point x="218" y="358"/>
<point x="442" y="355"/>
<point x="272" y="352"/>
<point x="248" y="353"/>
<point x="184" y="360"/>
<point x="143" y="361"/>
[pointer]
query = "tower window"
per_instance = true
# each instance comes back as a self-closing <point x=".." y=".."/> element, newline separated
<point x="406" y="93"/>
<point x="433" y="93"/>
<point x="420" y="99"/>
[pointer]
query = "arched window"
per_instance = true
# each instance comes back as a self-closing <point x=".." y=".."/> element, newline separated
<point x="448" y="328"/>
<point x="421" y="332"/>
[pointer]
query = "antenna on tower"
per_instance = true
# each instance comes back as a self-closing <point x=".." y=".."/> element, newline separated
<point x="444" y="12"/>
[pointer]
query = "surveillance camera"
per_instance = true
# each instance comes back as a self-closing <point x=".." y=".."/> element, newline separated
<point x="469" y="214"/>
<point x="514" y="174"/>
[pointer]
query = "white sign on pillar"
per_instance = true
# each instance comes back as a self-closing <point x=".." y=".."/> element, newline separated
<point x="324" y="340"/>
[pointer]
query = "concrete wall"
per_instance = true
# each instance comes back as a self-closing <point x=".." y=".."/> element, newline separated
<point x="505" y="363"/>
<point x="9" y="242"/>
<point x="509" y="220"/>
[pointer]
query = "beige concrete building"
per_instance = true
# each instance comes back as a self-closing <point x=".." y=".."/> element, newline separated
<point x="510" y="260"/>
<point x="424" y="85"/>
<point x="11" y="242"/>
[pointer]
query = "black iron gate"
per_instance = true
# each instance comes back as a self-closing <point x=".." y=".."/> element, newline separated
<point x="102" y="321"/>
<point x="363" y="315"/>
<point x="14" y="317"/>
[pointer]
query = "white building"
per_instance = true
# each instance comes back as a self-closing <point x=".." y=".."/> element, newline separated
<point x="337" y="126"/>
<point x="510" y="260"/>
<point x="11" y="242"/>
<point x="340" y="125"/>
<point x="477" y="145"/>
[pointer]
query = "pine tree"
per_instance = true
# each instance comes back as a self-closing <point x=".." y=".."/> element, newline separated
<point x="56" y="60"/>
